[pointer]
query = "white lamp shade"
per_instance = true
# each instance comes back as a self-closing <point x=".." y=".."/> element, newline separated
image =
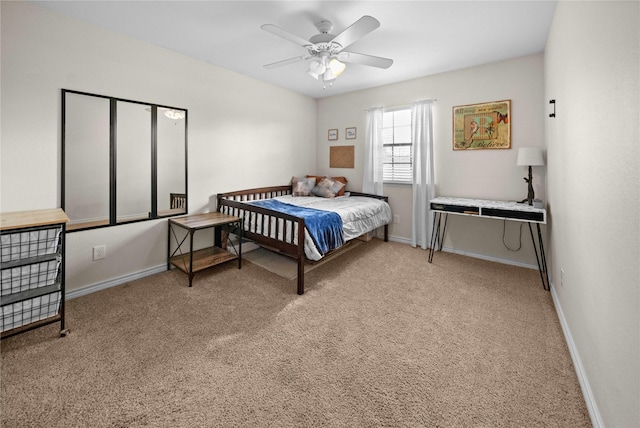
<point x="317" y="67"/>
<point x="328" y="75"/>
<point x="530" y="156"/>
<point x="337" y="67"/>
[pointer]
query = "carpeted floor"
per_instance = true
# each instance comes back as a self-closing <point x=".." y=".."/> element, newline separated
<point x="380" y="338"/>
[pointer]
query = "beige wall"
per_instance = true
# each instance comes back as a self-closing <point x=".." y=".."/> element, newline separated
<point x="592" y="70"/>
<point x="488" y="174"/>
<point x="238" y="137"/>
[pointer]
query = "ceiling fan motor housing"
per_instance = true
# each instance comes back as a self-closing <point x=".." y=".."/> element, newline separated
<point x="323" y="42"/>
<point x="324" y="26"/>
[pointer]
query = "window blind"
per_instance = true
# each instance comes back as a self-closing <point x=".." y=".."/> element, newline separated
<point x="397" y="163"/>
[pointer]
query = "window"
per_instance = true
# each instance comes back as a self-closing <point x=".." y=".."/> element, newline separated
<point x="397" y="162"/>
<point x="123" y="161"/>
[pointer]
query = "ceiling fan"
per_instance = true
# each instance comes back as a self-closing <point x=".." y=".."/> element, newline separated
<point x="327" y="50"/>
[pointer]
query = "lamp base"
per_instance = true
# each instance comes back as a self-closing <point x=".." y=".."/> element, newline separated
<point x="536" y="203"/>
<point x="530" y="193"/>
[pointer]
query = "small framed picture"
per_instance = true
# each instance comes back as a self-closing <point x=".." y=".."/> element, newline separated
<point x="350" y="133"/>
<point x="333" y="134"/>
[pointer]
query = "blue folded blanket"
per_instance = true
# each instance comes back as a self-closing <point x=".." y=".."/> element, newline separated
<point x="324" y="227"/>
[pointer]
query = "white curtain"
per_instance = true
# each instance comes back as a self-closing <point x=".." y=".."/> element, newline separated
<point x="423" y="176"/>
<point x="373" y="151"/>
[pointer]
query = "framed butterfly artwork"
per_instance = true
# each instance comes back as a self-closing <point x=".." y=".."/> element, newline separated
<point x="482" y="126"/>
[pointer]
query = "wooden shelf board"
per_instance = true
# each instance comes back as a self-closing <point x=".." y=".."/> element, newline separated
<point x="206" y="220"/>
<point x="88" y="224"/>
<point x="24" y="219"/>
<point x="203" y="259"/>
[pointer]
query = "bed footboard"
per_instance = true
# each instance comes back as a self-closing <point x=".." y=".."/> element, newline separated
<point x="277" y="231"/>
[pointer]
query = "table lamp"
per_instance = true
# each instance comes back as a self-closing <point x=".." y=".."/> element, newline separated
<point x="529" y="156"/>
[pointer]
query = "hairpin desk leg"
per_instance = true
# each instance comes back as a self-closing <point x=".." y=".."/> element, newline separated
<point x="542" y="259"/>
<point x="437" y="238"/>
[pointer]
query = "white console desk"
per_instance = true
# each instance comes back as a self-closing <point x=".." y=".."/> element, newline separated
<point x="502" y="210"/>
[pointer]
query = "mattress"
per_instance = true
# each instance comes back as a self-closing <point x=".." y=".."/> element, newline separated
<point x="359" y="215"/>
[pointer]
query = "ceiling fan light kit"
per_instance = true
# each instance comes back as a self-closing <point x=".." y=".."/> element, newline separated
<point x="326" y="50"/>
<point x="329" y="71"/>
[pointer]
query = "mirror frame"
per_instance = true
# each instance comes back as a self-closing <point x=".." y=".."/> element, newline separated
<point x="153" y="213"/>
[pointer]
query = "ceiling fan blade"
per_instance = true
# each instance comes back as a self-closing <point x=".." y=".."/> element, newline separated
<point x="273" y="29"/>
<point x="287" y="62"/>
<point x="358" y="29"/>
<point x="358" y="58"/>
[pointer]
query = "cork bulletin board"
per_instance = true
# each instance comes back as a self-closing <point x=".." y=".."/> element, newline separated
<point x="341" y="156"/>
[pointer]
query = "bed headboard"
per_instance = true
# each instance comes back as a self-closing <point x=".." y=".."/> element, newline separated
<point x="255" y="194"/>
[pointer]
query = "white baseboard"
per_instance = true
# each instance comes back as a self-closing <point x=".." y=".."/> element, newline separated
<point x="470" y="254"/>
<point x="491" y="259"/>
<point x="397" y="239"/>
<point x="246" y="247"/>
<point x="113" y="282"/>
<point x="592" y="407"/>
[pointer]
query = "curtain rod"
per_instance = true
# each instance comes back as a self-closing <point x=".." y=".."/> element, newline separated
<point x="402" y="105"/>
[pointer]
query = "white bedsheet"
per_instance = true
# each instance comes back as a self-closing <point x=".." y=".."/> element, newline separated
<point x="359" y="215"/>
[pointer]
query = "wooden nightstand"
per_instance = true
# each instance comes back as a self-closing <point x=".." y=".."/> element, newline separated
<point x="194" y="261"/>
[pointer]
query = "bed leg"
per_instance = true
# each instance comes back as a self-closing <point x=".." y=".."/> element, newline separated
<point x="386" y="233"/>
<point x="300" y="257"/>
<point x="301" y="276"/>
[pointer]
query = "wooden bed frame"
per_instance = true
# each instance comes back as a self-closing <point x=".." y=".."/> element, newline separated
<point x="232" y="203"/>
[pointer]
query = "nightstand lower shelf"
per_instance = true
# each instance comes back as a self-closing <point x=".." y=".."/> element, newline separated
<point x="203" y="259"/>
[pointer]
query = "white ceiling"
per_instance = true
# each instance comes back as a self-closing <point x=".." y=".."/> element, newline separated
<point x="422" y="37"/>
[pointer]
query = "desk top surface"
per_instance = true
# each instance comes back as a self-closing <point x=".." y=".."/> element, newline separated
<point x="483" y="203"/>
<point x="509" y="210"/>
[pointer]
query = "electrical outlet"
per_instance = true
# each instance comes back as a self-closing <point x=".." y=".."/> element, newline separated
<point x="396" y="219"/>
<point x="99" y="252"/>
<point x="561" y="277"/>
